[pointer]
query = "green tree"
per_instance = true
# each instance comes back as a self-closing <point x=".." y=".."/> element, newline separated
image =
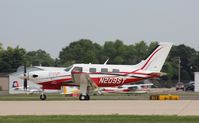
<point x="186" y="55"/>
<point x="195" y="64"/>
<point x="115" y="51"/>
<point x="1" y="47"/>
<point x="39" y="57"/>
<point x="1" y="50"/>
<point x="82" y="51"/>
<point x="11" y="59"/>
<point x="141" y="50"/>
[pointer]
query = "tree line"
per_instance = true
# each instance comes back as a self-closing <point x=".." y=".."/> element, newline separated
<point x="87" y="51"/>
<point x="12" y="58"/>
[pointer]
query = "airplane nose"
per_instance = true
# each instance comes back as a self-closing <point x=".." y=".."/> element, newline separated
<point x="33" y="75"/>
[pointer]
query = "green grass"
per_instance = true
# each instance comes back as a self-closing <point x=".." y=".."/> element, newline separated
<point x="99" y="119"/>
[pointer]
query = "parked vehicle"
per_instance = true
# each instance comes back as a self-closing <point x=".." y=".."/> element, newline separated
<point x="180" y="86"/>
<point x="190" y="86"/>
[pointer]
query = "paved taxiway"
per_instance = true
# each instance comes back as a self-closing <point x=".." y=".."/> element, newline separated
<point x="93" y="107"/>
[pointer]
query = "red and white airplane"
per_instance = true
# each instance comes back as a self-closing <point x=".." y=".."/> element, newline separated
<point x="101" y="75"/>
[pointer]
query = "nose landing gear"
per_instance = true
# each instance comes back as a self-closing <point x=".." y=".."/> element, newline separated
<point x="43" y="96"/>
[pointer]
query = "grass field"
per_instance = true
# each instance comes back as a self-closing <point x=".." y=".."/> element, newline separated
<point x="99" y="119"/>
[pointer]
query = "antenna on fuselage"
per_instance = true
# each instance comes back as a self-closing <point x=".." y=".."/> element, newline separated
<point x="106" y="61"/>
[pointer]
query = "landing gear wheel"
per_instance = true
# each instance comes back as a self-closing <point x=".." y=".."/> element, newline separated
<point x="87" y="97"/>
<point x="42" y="97"/>
<point x="84" y="97"/>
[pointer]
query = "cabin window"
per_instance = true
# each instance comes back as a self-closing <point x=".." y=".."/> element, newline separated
<point x="116" y="71"/>
<point x="92" y="70"/>
<point x="104" y="70"/>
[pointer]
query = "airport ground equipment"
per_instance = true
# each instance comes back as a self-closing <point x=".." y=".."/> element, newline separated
<point x="164" y="97"/>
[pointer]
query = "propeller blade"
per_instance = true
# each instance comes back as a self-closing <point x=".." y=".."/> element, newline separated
<point x="25" y="78"/>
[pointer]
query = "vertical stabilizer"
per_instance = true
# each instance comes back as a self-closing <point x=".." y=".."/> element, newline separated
<point x="156" y="59"/>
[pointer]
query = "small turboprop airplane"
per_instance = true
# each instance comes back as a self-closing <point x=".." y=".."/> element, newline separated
<point x="128" y="89"/>
<point x="89" y="76"/>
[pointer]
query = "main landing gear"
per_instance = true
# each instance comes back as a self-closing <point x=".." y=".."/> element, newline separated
<point x="84" y="97"/>
<point x="43" y="96"/>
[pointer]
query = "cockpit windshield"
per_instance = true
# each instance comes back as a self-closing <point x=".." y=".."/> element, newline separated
<point x="68" y="68"/>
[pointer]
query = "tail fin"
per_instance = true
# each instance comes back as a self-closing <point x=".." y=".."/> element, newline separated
<point x="156" y="59"/>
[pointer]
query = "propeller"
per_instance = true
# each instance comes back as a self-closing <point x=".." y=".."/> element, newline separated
<point x="25" y="81"/>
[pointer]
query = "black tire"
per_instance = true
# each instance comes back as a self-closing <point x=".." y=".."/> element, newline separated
<point x="42" y="97"/>
<point x="84" y="97"/>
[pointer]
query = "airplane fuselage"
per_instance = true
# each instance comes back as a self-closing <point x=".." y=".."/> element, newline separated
<point x="101" y="75"/>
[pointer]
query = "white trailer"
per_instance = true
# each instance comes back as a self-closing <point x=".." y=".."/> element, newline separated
<point x="196" y="82"/>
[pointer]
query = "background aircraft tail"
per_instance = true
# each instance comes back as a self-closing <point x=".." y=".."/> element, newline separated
<point x="156" y="59"/>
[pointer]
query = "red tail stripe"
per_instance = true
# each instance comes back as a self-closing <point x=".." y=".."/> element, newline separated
<point x="150" y="58"/>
